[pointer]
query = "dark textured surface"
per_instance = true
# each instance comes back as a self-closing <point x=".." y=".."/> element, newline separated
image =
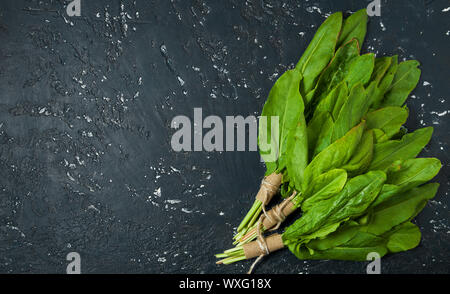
<point x="85" y="110"/>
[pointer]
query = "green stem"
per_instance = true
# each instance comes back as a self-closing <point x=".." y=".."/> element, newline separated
<point x="239" y="235"/>
<point x="232" y="255"/>
<point x="256" y="205"/>
<point x="232" y="250"/>
<point x="250" y="237"/>
<point x="254" y="218"/>
<point x="233" y="260"/>
<point x="221" y="255"/>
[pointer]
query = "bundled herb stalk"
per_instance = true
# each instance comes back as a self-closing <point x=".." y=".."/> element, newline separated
<point x="345" y="159"/>
<point x="283" y="103"/>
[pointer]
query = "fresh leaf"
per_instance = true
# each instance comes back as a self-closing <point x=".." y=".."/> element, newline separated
<point x="388" y="78"/>
<point x="345" y="233"/>
<point x="360" y="70"/>
<point x="352" y="112"/>
<point x="380" y="136"/>
<point x="382" y="64"/>
<point x="335" y="73"/>
<point x="405" y="81"/>
<point x="319" y="52"/>
<point x="383" y="84"/>
<point x="349" y="243"/>
<point x="297" y="151"/>
<point x="362" y="158"/>
<point x="351" y="202"/>
<point x="357" y="248"/>
<point x="284" y="103"/>
<point x="324" y="134"/>
<point x="334" y="101"/>
<point x="334" y="156"/>
<point x="399" y="209"/>
<point x="413" y="172"/>
<point x="355" y="26"/>
<point x="388" y="119"/>
<point x="324" y="116"/>
<point x="403" y="237"/>
<point x="408" y="147"/>
<point x="405" y="175"/>
<point x="323" y="187"/>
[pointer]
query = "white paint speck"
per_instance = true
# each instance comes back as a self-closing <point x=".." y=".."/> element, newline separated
<point x="70" y="177"/>
<point x="93" y="208"/>
<point x="16" y="229"/>
<point x="311" y="9"/>
<point x="181" y="81"/>
<point x="440" y="113"/>
<point x="87" y="118"/>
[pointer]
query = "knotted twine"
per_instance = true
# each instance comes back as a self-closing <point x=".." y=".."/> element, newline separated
<point x="269" y="187"/>
<point x="277" y="215"/>
<point x="264" y="247"/>
<point x="260" y="240"/>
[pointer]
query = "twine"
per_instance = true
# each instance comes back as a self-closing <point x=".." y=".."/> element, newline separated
<point x="268" y="187"/>
<point x="278" y="212"/>
<point x="274" y="189"/>
<point x="261" y="241"/>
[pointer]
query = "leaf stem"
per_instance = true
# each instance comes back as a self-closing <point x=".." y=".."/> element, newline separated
<point x="255" y="209"/>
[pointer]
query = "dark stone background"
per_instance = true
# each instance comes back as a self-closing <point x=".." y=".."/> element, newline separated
<point x="85" y="110"/>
